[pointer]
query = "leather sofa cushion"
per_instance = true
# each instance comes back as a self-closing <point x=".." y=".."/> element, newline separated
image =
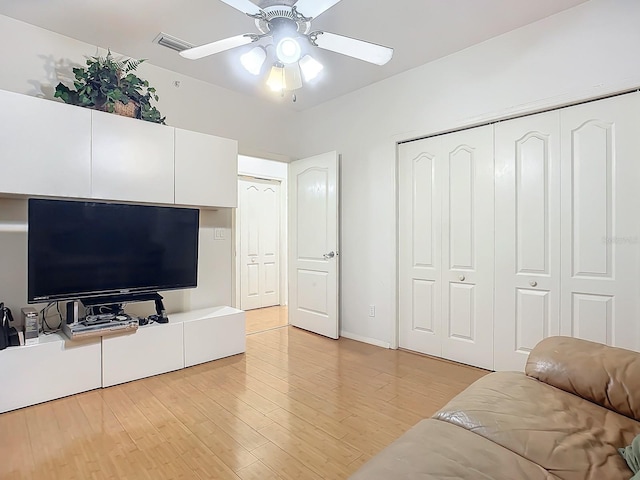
<point x="568" y="436"/>
<point x="604" y="375"/>
<point x="435" y="450"/>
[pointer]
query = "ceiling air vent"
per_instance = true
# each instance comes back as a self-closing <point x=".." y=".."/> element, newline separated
<point x="172" y="42"/>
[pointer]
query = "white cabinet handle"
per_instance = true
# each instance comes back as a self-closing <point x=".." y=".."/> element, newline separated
<point x="533" y="283"/>
<point x="462" y="278"/>
<point x="253" y="259"/>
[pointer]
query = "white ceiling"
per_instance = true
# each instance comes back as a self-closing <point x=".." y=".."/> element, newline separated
<point x="420" y="31"/>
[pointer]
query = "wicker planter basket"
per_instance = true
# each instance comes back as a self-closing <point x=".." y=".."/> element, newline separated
<point x="128" y="110"/>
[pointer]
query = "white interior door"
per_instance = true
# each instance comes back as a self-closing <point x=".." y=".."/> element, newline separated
<point x="259" y="214"/>
<point x="600" y="178"/>
<point x="468" y="246"/>
<point x="420" y="251"/>
<point x="313" y="244"/>
<point x="446" y="246"/>
<point x="527" y="236"/>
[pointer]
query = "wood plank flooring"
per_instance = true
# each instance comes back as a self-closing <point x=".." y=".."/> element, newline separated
<point x="262" y="319"/>
<point x="296" y="406"/>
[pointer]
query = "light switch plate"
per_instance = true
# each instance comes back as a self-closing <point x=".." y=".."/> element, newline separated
<point x="218" y="233"/>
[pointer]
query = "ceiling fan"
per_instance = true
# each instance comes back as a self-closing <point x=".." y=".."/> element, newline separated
<point x="284" y="26"/>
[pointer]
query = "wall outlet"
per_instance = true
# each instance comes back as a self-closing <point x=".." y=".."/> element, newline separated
<point x="218" y="233"/>
<point x="372" y="310"/>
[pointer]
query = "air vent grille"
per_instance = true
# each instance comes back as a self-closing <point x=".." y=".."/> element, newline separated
<point x="172" y="42"/>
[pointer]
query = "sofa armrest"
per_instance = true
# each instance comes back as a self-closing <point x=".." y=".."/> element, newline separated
<point x="607" y="376"/>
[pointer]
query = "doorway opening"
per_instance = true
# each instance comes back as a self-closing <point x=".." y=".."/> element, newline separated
<point x="261" y="243"/>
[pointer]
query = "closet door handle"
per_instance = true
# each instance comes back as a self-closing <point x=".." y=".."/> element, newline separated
<point x="462" y="278"/>
<point x="533" y="283"/>
<point x="329" y="255"/>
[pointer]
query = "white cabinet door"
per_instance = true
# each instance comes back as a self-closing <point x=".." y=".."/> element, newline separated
<point x="206" y="170"/>
<point x="420" y="252"/>
<point x="132" y="160"/>
<point x="259" y="216"/>
<point x="45" y="147"/>
<point x="527" y="230"/>
<point x="467" y="246"/>
<point x="600" y="185"/>
<point x="446" y="246"/>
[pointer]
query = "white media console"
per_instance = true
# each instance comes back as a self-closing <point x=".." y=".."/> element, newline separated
<point x="57" y="367"/>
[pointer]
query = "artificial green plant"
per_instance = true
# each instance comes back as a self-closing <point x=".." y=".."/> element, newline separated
<point x="106" y="81"/>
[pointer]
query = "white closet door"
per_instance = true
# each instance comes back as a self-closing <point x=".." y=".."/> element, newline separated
<point x="527" y="277"/>
<point x="468" y="246"/>
<point x="600" y="185"/>
<point x="259" y="243"/>
<point x="420" y="251"/>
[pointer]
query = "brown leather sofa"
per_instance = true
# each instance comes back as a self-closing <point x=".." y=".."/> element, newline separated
<point x="564" y="418"/>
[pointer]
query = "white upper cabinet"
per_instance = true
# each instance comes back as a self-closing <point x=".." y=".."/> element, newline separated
<point x="52" y="149"/>
<point x="45" y="147"/>
<point x="205" y="170"/>
<point x="132" y="160"/>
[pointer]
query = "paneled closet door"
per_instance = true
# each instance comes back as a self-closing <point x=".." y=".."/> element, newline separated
<point x="468" y="246"/>
<point x="600" y="200"/>
<point x="259" y="214"/>
<point x="527" y="277"/>
<point x="420" y="252"/>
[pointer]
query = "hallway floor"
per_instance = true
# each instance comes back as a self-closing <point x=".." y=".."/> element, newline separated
<point x="262" y="319"/>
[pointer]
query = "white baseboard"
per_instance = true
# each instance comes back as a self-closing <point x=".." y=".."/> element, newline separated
<point x="370" y="341"/>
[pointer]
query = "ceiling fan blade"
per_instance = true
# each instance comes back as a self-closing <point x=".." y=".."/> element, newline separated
<point x="313" y="8"/>
<point x="217" y="47"/>
<point x="352" y="47"/>
<point x="245" y="6"/>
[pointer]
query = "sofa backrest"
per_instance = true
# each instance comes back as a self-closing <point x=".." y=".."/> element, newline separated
<point x="601" y="374"/>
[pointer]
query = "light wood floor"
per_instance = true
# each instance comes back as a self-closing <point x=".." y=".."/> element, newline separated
<point x="295" y="406"/>
<point x="262" y="319"/>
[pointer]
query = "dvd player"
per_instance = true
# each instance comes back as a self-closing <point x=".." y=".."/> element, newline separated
<point x="93" y="328"/>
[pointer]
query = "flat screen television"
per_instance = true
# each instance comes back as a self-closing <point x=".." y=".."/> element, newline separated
<point x="82" y="249"/>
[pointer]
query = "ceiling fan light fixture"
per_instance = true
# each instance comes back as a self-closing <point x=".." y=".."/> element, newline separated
<point x="276" y="81"/>
<point x="253" y="60"/>
<point x="288" y="50"/>
<point x="310" y="67"/>
<point x="292" y="77"/>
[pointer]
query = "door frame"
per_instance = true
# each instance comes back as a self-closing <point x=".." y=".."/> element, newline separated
<point x="284" y="216"/>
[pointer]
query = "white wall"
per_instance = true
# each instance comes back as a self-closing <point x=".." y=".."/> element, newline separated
<point x="581" y="53"/>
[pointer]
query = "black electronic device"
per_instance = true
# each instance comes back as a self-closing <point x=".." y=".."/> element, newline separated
<point x="109" y="251"/>
<point x="5" y="328"/>
<point x="72" y="312"/>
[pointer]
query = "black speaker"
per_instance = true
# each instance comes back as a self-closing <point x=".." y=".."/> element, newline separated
<point x="72" y="312"/>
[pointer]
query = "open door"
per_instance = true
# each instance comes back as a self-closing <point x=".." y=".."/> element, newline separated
<point x="313" y="244"/>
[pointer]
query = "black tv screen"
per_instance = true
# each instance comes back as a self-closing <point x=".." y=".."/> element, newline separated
<point x="89" y="249"/>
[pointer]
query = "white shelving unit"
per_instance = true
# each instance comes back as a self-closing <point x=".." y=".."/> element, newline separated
<point x="188" y="339"/>
<point x="151" y="350"/>
<point x="57" y="367"/>
<point x="212" y="333"/>
<point x="53" y="368"/>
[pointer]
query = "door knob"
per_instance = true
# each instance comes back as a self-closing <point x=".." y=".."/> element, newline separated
<point x="253" y="259"/>
<point x="533" y="283"/>
<point x="462" y="278"/>
<point x="329" y="255"/>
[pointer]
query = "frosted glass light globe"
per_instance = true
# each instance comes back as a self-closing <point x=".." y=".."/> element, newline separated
<point x="288" y="50"/>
